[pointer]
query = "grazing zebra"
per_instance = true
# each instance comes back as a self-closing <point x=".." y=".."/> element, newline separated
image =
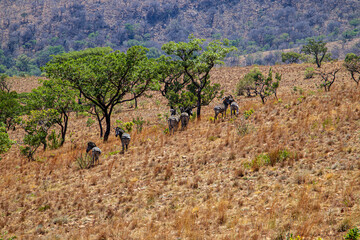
<point x="95" y="152"/>
<point x="185" y="117"/>
<point x="124" y="137"/>
<point x="221" y="108"/>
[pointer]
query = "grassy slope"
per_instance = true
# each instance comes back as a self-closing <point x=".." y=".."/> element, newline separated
<point x="200" y="183"/>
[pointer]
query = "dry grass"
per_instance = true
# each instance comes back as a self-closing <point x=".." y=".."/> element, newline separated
<point x="199" y="183"/>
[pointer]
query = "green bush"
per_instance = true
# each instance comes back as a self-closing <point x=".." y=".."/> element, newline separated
<point x="248" y="113"/>
<point x="247" y="85"/>
<point x="84" y="161"/>
<point x="353" y="234"/>
<point x="139" y="122"/>
<point x="309" y="73"/>
<point x="5" y="142"/>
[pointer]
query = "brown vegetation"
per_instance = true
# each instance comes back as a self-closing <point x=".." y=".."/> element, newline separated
<point x="202" y="183"/>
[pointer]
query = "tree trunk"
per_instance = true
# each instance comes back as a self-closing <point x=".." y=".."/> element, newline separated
<point x="64" y="129"/>
<point x="108" y="127"/>
<point x="198" y="112"/>
<point x="136" y="103"/>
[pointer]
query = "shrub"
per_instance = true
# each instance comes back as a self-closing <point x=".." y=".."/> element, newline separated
<point x="290" y="57"/>
<point x="247" y="85"/>
<point x="139" y="122"/>
<point x="53" y="139"/>
<point x="309" y="73"/>
<point x="90" y="122"/>
<point x="353" y="234"/>
<point x="248" y="113"/>
<point x="5" y="142"/>
<point x="84" y="161"/>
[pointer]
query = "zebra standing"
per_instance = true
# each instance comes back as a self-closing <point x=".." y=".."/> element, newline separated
<point x="95" y="152"/>
<point x="124" y="137"/>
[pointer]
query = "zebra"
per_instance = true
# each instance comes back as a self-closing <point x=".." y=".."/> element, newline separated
<point x="234" y="107"/>
<point x="221" y="108"/>
<point x="173" y="123"/>
<point x="124" y="137"/>
<point x="95" y="152"/>
<point x="185" y="117"/>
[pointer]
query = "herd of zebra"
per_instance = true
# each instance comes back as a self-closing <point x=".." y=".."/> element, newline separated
<point x="173" y="123"/>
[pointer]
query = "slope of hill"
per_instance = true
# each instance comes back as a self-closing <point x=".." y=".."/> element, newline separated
<point x="44" y="27"/>
<point x="223" y="180"/>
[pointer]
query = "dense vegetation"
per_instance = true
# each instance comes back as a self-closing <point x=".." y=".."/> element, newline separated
<point x="30" y="34"/>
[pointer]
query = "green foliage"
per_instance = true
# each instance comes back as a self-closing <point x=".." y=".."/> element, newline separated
<point x="36" y="126"/>
<point x="4" y="236"/>
<point x="44" y="208"/>
<point x="267" y="87"/>
<point x="248" y="83"/>
<point x="353" y="234"/>
<point x="105" y="78"/>
<point x="350" y="34"/>
<point x="194" y="61"/>
<point x="352" y="64"/>
<point x="139" y="122"/>
<point x="84" y="161"/>
<point x="5" y="142"/>
<point x="355" y="22"/>
<point x="248" y="113"/>
<point x="126" y="126"/>
<point x="309" y="72"/>
<point x="10" y="108"/>
<point x="317" y="49"/>
<point x="290" y="57"/>
<point x="45" y="55"/>
<point x="56" y="95"/>
<point x="53" y="139"/>
<point x="90" y="122"/>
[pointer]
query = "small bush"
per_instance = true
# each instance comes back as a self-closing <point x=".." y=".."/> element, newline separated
<point x="248" y="113"/>
<point x="353" y="234"/>
<point x="53" y="138"/>
<point x="84" y="161"/>
<point x="139" y="122"/>
<point x="90" y="122"/>
<point x="309" y="73"/>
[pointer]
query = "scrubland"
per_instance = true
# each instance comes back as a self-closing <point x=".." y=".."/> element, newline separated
<point x="291" y="167"/>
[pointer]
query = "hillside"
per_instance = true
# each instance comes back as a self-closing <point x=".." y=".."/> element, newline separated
<point x="208" y="182"/>
<point x="41" y="28"/>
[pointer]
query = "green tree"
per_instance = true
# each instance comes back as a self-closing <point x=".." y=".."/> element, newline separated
<point x="105" y="78"/>
<point x="317" y="49"/>
<point x="36" y="126"/>
<point x="10" y="108"/>
<point x="247" y="83"/>
<point x="196" y="61"/>
<point x="265" y="87"/>
<point x="54" y="95"/>
<point x="352" y="64"/>
<point x="45" y="55"/>
<point x="5" y="142"/>
<point x="290" y="57"/>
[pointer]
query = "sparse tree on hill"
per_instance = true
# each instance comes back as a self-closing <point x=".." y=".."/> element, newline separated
<point x="37" y="125"/>
<point x="54" y="95"/>
<point x="197" y="60"/>
<point x="105" y="78"/>
<point x="265" y="87"/>
<point x="317" y="49"/>
<point x="352" y="64"/>
<point x="328" y="78"/>
<point x="246" y="85"/>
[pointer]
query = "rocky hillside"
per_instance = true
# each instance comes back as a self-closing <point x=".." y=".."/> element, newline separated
<point x="30" y="26"/>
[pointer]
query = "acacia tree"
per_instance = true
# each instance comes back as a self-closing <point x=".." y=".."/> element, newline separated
<point x="196" y="60"/>
<point x="105" y="78"/>
<point x="316" y="48"/>
<point x="352" y="64"/>
<point x="53" y="94"/>
<point x="328" y="78"/>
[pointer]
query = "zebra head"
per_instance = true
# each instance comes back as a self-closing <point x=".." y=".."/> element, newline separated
<point x="119" y="132"/>
<point x="90" y="146"/>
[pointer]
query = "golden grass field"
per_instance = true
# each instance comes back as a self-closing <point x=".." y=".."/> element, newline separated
<point x="202" y="183"/>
